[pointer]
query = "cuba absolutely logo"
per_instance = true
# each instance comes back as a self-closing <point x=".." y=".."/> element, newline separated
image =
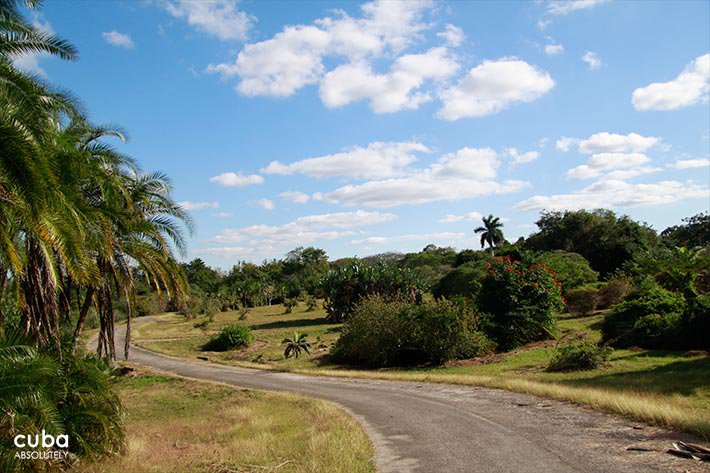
<point x="41" y="446"/>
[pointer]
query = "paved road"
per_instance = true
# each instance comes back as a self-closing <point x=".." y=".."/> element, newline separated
<point x="432" y="428"/>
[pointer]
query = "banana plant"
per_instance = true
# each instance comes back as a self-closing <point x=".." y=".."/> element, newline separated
<point x="296" y="345"/>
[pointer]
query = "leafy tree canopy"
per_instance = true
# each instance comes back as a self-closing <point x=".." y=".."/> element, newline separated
<point x="695" y="231"/>
<point x="606" y="240"/>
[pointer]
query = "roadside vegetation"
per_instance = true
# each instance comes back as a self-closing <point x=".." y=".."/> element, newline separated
<point x="171" y="427"/>
<point x="593" y="307"/>
<point x="80" y="225"/>
<point x="627" y="335"/>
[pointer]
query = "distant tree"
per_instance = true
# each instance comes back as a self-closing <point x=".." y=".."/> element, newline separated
<point x="606" y="240"/>
<point x="388" y="258"/>
<point x="694" y="232"/>
<point x="467" y="256"/>
<point x="491" y="232"/>
<point x="303" y="268"/>
<point x="431" y="255"/>
<point x="200" y="275"/>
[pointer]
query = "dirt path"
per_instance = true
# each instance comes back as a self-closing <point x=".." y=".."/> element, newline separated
<point x="421" y="427"/>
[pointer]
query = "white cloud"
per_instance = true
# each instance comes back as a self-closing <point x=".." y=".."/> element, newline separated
<point x="626" y="174"/>
<point x="266" y="204"/>
<point x="471" y="217"/>
<point x="262" y="241"/>
<point x="592" y="60"/>
<point x="29" y="63"/>
<point x="187" y="205"/>
<point x="453" y="35"/>
<point x="690" y="87"/>
<point x="295" y="196"/>
<point x="610" y="193"/>
<point x="467" y="173"/>
<point x="565" y="143"/>
<point x="231" y="179"/>
<point x="293" y="58"/>
<point x="122" y="40"/>
<point x="524" y="157"/>
<point x="440" y="238"/>
<point x="219" y="18"/>
<point x="599" y="163"/>
<point x="554" y="49"/>
<point x="397" y="90"/>
<point x="279" y="66"/>
<point x="563" y="7"/>
<point x="606" y="142"/>
<point x="223" y="214"/>
<point x="494" y="86"/>
<point x="378" y="160"/>
<point x="690" y="163"/>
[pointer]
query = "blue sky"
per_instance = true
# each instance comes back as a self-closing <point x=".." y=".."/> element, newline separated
<point x="423" y="115"/>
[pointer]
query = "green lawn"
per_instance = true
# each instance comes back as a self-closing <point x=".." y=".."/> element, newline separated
<point x="171" y="427"/>
<point x="662" y="387"/>
<point x="173" y="335"/>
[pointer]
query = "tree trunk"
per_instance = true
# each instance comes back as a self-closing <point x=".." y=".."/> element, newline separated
<point x="88" y="299"/>
<point x="106" y="323"/>
<point x="129" y="307"/>
<point x="3" y="279"/>
<point x="39" y="314"/>
<point x="65" y="299"/>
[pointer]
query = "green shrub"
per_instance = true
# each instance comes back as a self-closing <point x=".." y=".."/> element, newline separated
<point x="571" y="269"/>
<point x="623" y="327"/>
<point x="520" y="302"/>
<point x="464" y="281"/>
<point x="289" y="305"/>
<point x="346" y="285"/>
<point x="583" y="300"/>
<point x="383" y="332"/>
<point x="656" y="331"/>
<point x="231" y="337"/>
<point x="614" y="291"/>
<point x="580" y="355"/>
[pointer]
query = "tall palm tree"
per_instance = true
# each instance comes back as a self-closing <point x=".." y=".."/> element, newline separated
<point x="32" y="216"/>
<point x="491" y="232"/>
<point x="75" y="214"/>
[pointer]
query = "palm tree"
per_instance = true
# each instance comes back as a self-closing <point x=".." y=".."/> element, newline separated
<point x="491" y="232"/>
<point x="295" y="345"/>
<point x="34" y="222"/>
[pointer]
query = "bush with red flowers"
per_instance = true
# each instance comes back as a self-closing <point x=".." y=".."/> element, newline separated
<point x="520" y="302"/>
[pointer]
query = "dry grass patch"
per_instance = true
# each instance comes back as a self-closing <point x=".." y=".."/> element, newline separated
<point x="179" y="425"/>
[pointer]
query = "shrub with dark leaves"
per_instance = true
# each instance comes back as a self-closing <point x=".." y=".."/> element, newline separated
<point x="383" y="332"/>
<point x="520" y="302"/>
<point x="231" y="337"/>
<point x="580" y="355"/>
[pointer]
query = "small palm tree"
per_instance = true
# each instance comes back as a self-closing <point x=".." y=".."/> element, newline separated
<point x="491" y="232"/>
<point x="295" y="345"/>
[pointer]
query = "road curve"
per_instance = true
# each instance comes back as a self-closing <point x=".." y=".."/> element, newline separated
<point x="422" y="427"/>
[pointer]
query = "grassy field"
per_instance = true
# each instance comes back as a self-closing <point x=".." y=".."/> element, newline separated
<point x="172" y="427"/>
<point x="665" y="388"/>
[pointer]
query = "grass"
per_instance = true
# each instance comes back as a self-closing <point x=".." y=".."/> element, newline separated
<point x="666" y="388"/>
<point x="173" y="335"/>
<point x="172" y="427"/>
